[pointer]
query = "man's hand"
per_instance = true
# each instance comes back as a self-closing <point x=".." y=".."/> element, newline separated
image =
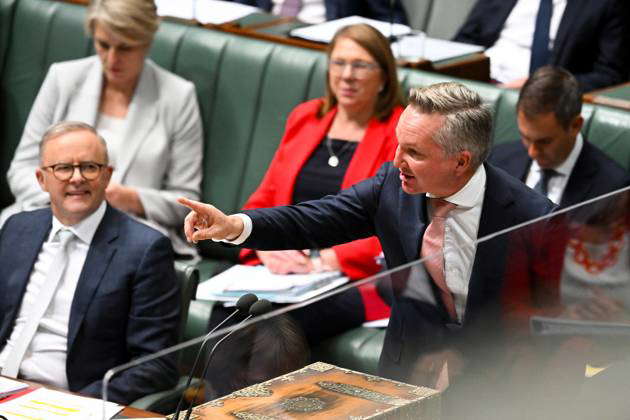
<point x="207" y="222"/>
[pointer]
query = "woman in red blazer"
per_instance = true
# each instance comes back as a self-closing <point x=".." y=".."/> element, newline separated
<point x="332" y="143"/>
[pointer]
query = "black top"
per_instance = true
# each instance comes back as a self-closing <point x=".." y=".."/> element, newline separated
<point x="317" y="178"/>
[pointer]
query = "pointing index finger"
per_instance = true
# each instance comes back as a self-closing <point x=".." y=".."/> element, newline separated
<point x="193" y="205"/>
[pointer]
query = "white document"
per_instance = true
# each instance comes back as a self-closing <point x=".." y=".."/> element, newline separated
<point x="433" y="49"/>
<point x="240" y="279"/>
<point x="52" y="405"/>
<point x="204" y="11"/>
<point x="9" y="386"/>
<point x="324" y="32"/>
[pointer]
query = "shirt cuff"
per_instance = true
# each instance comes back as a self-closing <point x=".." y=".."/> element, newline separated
<point x="247" y="230"/>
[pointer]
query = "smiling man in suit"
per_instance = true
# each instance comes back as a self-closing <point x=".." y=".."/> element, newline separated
<point x="588" y="38"/>
<point x="85" y="287"/>
<point x="553" y="157"/>
<point x="436" y="198"/>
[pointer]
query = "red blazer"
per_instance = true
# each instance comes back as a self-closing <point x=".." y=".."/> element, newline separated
<point x="303" y="134"/>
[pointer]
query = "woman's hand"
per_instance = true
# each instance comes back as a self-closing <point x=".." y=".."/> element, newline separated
<point x="298" y="262"/>
<point x="286" y="262"/>
<point x="124" y="198"/>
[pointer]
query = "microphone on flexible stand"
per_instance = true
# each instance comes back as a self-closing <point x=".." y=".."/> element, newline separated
<point x="258" y="308"/>
<point x="243" y="304"/>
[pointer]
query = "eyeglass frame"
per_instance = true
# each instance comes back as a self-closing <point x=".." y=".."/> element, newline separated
<point x="100" y="166"/>
<point x="356" y="66"/>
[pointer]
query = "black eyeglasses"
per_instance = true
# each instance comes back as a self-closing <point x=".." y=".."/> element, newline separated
<point x="64" y="171"/>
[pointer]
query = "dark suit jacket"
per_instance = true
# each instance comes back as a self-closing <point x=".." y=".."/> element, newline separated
<point x="594" y="173"/>
<point x="592" y="39"/>
<point x="125" y="304"/>
<point x="379" y="206"/>
<point x="336" y="9"/>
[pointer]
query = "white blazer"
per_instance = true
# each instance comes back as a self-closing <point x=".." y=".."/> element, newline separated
<point x="163" y="140"/>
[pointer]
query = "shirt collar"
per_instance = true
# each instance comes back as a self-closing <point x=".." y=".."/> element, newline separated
<point x="566" y="167"/>
<point x="85" y="229"/>
<point x="470" y="194"/>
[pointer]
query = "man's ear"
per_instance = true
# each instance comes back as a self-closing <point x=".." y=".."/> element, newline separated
<point x="576" y="125"/>
<point x="108" y="173"/>
<point x="463" y="162"/>
<point x="39" y="174"/>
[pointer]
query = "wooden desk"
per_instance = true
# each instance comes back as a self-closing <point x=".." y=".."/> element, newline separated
<point x="615" y="96"/>
<point x="127" y="412"/>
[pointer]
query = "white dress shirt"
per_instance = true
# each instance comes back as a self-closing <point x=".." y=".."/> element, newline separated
<point x="510" y="56"/>
<point x="558" y="183"/>
<point x="460" y="236"/>
<point x="312" y="11"/>
<point x="45" y="358"/>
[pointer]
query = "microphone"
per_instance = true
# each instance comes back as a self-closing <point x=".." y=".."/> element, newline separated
<point x="258" y="308"/>
<point x="243" y="304"/>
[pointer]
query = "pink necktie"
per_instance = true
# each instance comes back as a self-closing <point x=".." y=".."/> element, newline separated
<point x="290" y="8"/>
<point x="432" y="244"/>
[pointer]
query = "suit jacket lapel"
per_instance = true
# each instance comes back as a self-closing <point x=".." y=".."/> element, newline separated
<point x="24" y="258"/>
<point x="494" y="217"/>
<point x="580" y="179"/>
<point x="84" y="106"/>
<point x="98" y="259"/>
<point x="412" y="216"/>
<point x="141" y="118"/>
<point x="567" y="23"/>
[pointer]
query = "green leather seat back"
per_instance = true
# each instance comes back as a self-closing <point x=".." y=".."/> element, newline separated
<point x="297" y="73"/>
<point x="447" y="16"/>
<point x="417" y="12"/>
<point x="7" y="7"/>
<point x="49" y="32"/>
<point x="609" y="130"/>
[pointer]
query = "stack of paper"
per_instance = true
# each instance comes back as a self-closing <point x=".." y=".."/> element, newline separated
<point x="432" y="49"/>
<point x="290" y="288"/>
<point x="204" y="11"/>
<point x="10" y="387"/>
<point x="324" y="32"/>
<point x="43" y="403"/>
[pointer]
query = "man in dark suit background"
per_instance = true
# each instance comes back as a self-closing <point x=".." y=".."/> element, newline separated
<point x="85" y="287"/>
<point x="444" y="137"/>
<point x="336" y="9"/>
<point x="552" y="156"/>
<point x="588" y="38"/>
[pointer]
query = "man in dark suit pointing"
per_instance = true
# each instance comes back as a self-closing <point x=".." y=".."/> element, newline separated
<point x="436" y="198"/>
<point x="85" y="288"/>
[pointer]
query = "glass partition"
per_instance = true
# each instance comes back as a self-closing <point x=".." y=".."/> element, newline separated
<point x="536" y="326"/>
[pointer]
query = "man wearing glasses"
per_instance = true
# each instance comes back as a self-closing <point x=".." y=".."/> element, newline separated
<point x="85" y="287"/>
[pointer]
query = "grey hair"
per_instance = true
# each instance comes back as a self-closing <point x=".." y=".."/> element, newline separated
<point x="64" y="127"/>
<point x="468" y="121"/>
<point x="136" y="21"/>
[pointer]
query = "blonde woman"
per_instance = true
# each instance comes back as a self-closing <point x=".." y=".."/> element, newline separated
<point x="149" y="117"/>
